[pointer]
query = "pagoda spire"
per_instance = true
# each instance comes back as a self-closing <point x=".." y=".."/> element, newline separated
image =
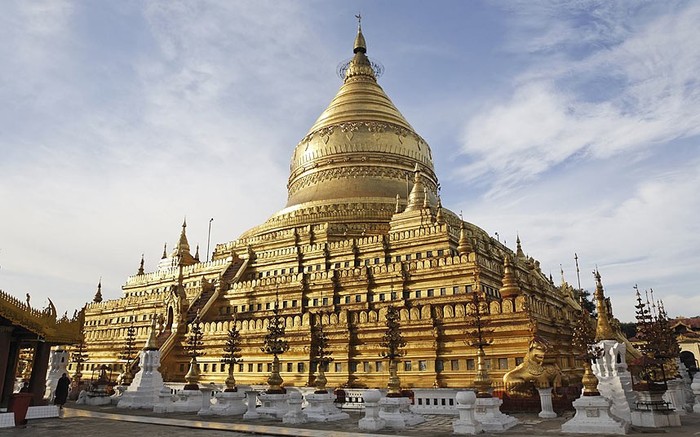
<point x="417" y="198"/>
<point x="604" y="330"/>
<point x="510" y="286"/>
<point x="183" y="246"/>
<point x="165" y="251"/>
<point x="439" y="218"/>
<point x="360" y="44"/>
<point x="98" y="295"/>
<point x="196" y="253"/>
<point x="141" y="271"/>
<point x="464" y="247"/>
<point x="519" y="249"/>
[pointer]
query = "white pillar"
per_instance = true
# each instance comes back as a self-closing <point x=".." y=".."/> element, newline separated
<point x="546" y="403"/>
<point x="695" y="386"/>
<point x="294" y="415"/>
<point x="252" y="398"/>
<point x="372" y="421"/>
<point x="467" y="423"/>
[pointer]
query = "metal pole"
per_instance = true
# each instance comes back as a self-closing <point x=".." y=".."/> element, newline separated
<point x="209" y="237"/>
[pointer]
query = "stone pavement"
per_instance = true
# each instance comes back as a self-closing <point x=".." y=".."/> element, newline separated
<point x="98" y="421"/>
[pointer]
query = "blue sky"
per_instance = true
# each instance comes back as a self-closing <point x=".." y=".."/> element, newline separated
<point x="574" y="124"/>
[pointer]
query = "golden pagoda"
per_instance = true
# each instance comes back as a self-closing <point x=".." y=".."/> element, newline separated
<point x="349" y="242"/>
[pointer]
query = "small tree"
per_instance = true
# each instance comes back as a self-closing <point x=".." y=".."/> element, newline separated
<point x="393" y="343"/>
<point x="232" y="354"/>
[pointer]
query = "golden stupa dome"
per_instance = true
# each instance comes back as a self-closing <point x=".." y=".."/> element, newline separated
<point x="361" y="146"/>
<point x="354" y="161"/>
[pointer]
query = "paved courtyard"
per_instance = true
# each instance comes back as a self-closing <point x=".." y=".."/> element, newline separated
<point x="98" y="421"/>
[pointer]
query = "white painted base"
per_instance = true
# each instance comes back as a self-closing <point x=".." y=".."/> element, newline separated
<point x="675" y="395"/>
<point x="372" y="421"/>
<point x="251" y="401"/>
<point x="165" y="401"/>
<point x="294" y="414"/>
<point x="467" y="423"/>
<point x="593" y="417"/>
<point x="487" y="412"/>
<point x="143" y="391"/>
<point x="97" y="399"/>
<point x="229" y="403"/>
<point x="43" y="412"/>
<point x="653" y="417"/>
<point x="188" y="401"/>
<point x="397" y="414"/>
<point x="7" y="420"/>
<point x="546" y="407"/>
<point x="320" y="408"/>
<point x="273" y="406"/>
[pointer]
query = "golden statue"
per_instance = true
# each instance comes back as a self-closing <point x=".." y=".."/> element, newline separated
<point x="532" y="372"/>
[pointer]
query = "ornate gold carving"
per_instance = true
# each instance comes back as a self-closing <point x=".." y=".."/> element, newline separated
<point x="42" y="322"/>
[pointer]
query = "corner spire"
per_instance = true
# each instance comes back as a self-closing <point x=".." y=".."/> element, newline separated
<point x="510" y="286"/>
<point x="519" y="249"/>
<point x="151" y="343"/>
<point x="417" y="197"/>
<point x="165" y="251"/>
<point x="98" y="295"/>
<point x="464" y="247"/>
<point x="604" y="330"/>
<point x="141" y="271"/>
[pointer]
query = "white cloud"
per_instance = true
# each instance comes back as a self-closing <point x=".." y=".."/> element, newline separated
<point x="649" y="95"/>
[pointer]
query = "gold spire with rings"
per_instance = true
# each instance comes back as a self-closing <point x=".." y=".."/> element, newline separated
<point x="604" y="330"/>
<point x="358" y="150"/>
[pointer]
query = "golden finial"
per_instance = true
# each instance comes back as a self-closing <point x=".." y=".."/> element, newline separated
<point x="360" y="44"/>
<point x="604" y="330"/>
<point x="141" y="271"/>
<point x="398" y="204"/>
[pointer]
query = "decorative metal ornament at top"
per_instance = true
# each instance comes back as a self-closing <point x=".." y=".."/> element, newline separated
<point x="343" y="66"/>
<point x="275" y="344"/>
<point x="194" y="350"/>
<point x="232" y="353"/>
<point x="583" y="339"/>
<point x="321" y="354"/>
<point x="478" y="333"/>
<point x="393" y="342"/>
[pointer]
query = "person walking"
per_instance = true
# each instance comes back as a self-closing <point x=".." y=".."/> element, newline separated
<point x="62" y="390"/>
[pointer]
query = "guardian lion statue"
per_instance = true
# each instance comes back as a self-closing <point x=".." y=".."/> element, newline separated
<point x="532" y="372"/>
